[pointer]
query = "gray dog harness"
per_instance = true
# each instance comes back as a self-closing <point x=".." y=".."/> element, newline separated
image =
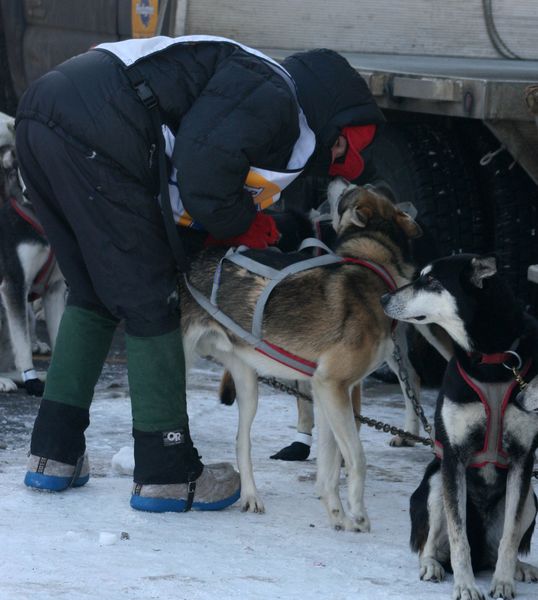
<point x="274" y="277"/>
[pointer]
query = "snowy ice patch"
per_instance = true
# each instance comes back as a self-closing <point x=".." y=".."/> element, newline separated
<point x="123" y="461"/>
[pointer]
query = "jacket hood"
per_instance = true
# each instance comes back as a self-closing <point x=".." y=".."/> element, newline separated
<point x="332" y="95"/>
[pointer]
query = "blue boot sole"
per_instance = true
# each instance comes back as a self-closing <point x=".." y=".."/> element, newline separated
<point x="171" y="505"/>
<point x="52" y="483"/>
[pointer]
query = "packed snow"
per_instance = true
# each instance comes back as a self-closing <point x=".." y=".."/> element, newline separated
<point x="88" y="543"/>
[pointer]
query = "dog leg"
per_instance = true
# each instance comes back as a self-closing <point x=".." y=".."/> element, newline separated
<point x="300" y="448"/>
<point x="334" y="398"/>
<point x="246" y="384"/>
<point x="455" y="503"/>
<point x="305" y="410"/>
<point x="517" y="518"/>
<point x="328" y="475"/>
<point x="7" y="384"/>
<point x="409" y="381"/>
<point x="54" y="305"/>
<point x="436" y="547"/>
<point x="356" y="395"/>
<point x="15" y="305"/>
<point x="525" y="572"/>
<point x="37" y="346"/>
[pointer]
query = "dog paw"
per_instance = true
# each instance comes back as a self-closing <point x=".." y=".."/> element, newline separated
<point x="34" y="387"/>
<point x="525" y="572"/>
<point x="7" y="385"/>
<point x="431" y="570"/>
<point x="467" y="592"/>
<point x="338" y="519"/>
<point x="251" y="503"/>
<point x="399" y="442"/>
<point x="502" y="589"/>
<point x="295" y="451"/>
<point x="360" y="524"/>
<point x="40" y="348"/>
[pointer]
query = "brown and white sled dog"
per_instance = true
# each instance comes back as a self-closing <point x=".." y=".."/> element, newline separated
<point x="327" y="315"/>
<point x="475" y="507"/>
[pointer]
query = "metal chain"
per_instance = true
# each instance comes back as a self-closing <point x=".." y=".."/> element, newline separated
<point x="379" y="425"/>
<point x="404" y="376"/>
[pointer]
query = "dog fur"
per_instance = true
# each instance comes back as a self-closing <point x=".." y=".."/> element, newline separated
<point x="329" y="315"/>
<point x="467" y="517"/>
<point x="23" y="252"/>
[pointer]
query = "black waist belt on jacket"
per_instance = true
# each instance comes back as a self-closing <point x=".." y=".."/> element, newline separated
<point x="150" y="101"/>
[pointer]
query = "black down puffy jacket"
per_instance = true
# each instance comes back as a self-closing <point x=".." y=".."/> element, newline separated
<point x="228" y="109"/>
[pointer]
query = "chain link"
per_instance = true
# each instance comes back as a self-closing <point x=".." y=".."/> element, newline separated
<point x="379" y="425"/>
<point x="404" y="376"/>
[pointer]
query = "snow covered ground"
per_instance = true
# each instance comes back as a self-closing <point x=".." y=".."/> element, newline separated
<point x="88" y="543"/>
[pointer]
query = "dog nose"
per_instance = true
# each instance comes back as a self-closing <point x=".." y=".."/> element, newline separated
<point x="385" y="298"/>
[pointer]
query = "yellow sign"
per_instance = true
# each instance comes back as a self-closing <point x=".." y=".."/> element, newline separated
<point x="144" y="17"/>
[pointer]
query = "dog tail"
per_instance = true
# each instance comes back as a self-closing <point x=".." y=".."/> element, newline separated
<point x="227" y="389"/>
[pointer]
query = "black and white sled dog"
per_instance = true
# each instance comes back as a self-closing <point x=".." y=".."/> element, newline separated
<point x="475" y="507"/>
<point x="28" y="270"/>
<point x="329" y="317"/>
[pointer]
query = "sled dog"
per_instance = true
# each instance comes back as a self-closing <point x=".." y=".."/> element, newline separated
<point x="475" y="507"/>
<point x="329" y="316"/>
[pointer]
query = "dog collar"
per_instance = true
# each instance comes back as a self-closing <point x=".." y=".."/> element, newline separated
<point x="498" y="358"/>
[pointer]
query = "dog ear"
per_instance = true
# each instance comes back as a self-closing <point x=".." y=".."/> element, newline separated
<point x="482" y="268"/>
<point x="408" y="225"/>
<point x="360" y="217"/>
<point x="335" y="192"/>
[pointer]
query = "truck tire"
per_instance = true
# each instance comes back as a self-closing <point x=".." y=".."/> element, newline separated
<point x="8" y="100"/>
<point x="510" y="200"/>
<point x="423" y="164"/>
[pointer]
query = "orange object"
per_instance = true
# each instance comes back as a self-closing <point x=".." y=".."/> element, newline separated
<point x="144" y="18"/>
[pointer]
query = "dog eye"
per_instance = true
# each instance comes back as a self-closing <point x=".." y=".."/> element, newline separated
<point x="428" y="279"/>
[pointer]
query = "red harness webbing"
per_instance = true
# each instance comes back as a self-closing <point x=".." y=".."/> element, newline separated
<point x="492" y="451"/>
<point x="41" y="280"/>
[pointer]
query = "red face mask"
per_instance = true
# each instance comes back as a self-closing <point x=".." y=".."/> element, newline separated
<point x="358" y="137"/>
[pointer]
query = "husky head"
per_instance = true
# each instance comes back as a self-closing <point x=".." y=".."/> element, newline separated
<point x="450" y="292"/>
<point x="7" y="130"/>
<point x="10" y="177"/>
<point x="366" y="208"/>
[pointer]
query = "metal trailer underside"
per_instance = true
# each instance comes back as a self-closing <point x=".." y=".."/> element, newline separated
<point x="489" y="89"/>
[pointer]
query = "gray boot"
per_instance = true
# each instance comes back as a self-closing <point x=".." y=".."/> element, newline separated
<point x="54" y="476"/>
<point x="217" y="487"/>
